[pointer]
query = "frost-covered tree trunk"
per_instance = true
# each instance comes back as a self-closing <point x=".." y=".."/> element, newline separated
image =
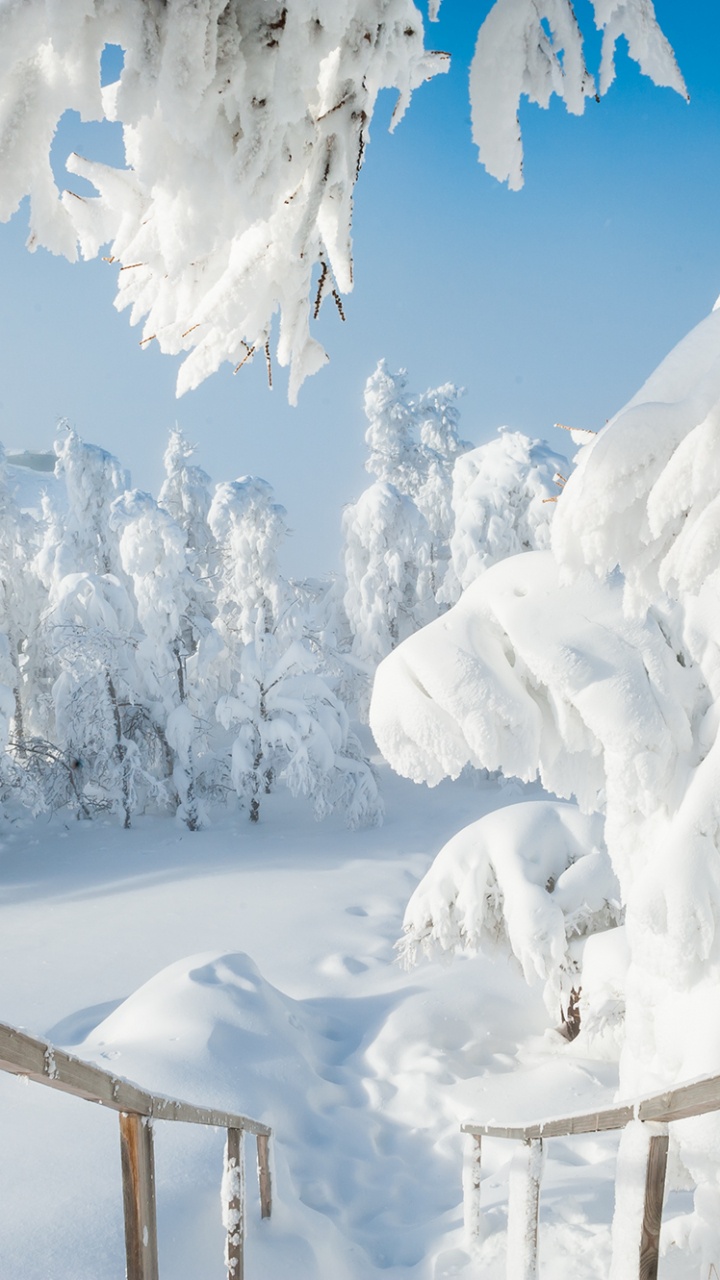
<point x="245" y="126"/>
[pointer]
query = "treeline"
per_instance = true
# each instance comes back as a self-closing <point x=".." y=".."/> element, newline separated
<point x="153" y="657"/>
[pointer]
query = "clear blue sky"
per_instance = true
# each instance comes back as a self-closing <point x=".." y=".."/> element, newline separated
<point x="551" y="304"/>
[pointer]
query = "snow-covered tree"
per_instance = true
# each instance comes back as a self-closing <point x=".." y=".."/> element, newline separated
<point x="286" y="722"/>
<point x="503" y="499"/>
<point x="186" y="495"/>
<point x="154" y="556"/>
<point x="90" y="627"/>
<point x="245" y="126"/>
<point x="596" y="666"/>
<point x="388" y="569"/>
<point x="78" y="537"/>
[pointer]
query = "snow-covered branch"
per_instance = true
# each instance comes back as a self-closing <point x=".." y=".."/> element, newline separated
<point x="245" y="126"/>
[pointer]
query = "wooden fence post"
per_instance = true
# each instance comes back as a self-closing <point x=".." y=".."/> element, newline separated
<point x="471" y="1189"/>
<point x="138" y="1177"/>
<point x="523" y="1208"/>
<point x="263" y="1163"/>
<point x="233" y="1193"/>
<point x="639" y="1188"/>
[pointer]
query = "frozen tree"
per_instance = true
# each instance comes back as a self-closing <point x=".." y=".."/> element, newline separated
<point x="153" y="554"/>
<point x="396" y="534"/>
<point x="186" y="495"/>
<point x="533" y="879"/>
<point x="503" y="499"/>
<point x="90" y="627"/>
<point x="245" y="126"/>
<point x="287" y="724"/>
<point x="78" y="538"/>
<point x="396" y="456"/>
<point x="414" y="442"/>
<point x="22" y="601"/>
<point x="388" y="569"/>
<point x="608" y="686"/>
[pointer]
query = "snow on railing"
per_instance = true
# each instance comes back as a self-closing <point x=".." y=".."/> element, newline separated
<point x="640" y="1177"/>
<point x="23" y="1055"/>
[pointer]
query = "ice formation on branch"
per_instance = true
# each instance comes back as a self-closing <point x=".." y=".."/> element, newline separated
<point x="245" y="125"/>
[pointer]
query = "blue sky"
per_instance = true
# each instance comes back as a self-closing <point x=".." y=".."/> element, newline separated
<point x="550" y="304"/>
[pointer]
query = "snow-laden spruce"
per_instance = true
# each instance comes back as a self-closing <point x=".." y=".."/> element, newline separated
<point x="285" y="721"/>
<point x="245" y="126"/>
<point x="597" y="666"/>
<point x="503" y="500"/>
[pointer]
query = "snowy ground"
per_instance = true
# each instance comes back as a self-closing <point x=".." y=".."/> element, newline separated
<point x="254" y="968"/>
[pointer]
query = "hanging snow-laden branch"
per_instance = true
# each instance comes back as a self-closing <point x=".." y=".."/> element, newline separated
<point x="245" y="127"/>
<point x="534" y="49"/>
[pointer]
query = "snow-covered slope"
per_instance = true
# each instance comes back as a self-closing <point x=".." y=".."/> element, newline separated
<point x="255" y="967"/>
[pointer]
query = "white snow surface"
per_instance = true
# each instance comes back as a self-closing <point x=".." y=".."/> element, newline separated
<point x="253" y="969"/>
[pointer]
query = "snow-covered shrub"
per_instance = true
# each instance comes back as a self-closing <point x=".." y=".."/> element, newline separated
<point x="245" y="125"/>
<point x="503" y="500"/>
<point x="533" y="877"/>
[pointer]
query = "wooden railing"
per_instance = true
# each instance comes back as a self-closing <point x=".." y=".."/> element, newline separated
<point x="22" y="1055"/>
<point x="639" y="1230"/>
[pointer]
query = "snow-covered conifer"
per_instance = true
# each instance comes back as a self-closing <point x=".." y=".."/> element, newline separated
<point x="90" y="628"/>
<point x="287" y="724"/>
<point x="78" y="537"/>
<point x="186" y="495"/>
<point x="503" y="502"/>
<point x="153" y="554"/>
<point x="388" y="568"/>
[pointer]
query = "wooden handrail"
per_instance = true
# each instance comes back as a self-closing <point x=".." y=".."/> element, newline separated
<point x="24" y="1055"/>
<point x="655" y="1112"/>
<point x="695" y="1098"/>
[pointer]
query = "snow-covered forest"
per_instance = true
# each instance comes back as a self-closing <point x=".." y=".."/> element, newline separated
<point x="516" y="668"/>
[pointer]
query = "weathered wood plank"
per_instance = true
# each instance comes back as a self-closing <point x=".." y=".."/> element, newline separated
<point x="264" y="1179"/>
<point x="652" y="1215"/>
<point x="697" y="1097"/>
<point x="234" y="1204"/>
<point x="590" y="1122"/>
<point x="21" y="1054"/>
<point x="138" y="1177"/>
<point x="472" y="1211"/>
<point x="523" y="1211"/>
